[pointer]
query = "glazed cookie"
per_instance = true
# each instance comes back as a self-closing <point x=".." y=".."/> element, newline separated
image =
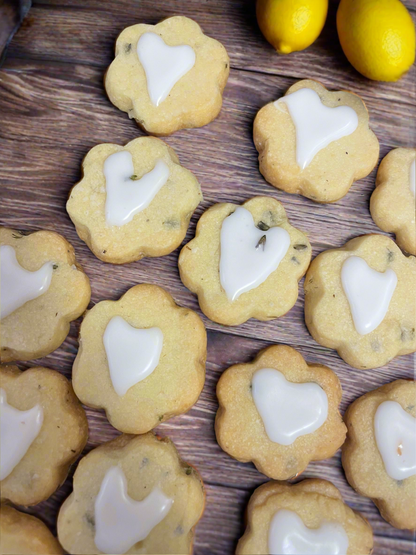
<point x="43" y="289"/>
<point x="360" y="299"/>
<point x="308" y="517"/>
<point x="279" y="412"/>
<point x="43" y="431"/>
<point x="245" y="261"/>
<point x="392" y="203"/>
<point x="132" y="495"/>
<point x="168" y="76"/>
<point x="147" y="354"/>
<point x="379" y="456"/>
<point x="315" y="142"/>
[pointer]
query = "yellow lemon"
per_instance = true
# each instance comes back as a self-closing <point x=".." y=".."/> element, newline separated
<point x="377" y="36"/>
<point x="291" y="25"/>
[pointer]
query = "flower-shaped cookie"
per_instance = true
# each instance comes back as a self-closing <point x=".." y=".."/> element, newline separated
<point x="133" y="201"/>
<point x="245" y="261"/>
<point x="393" y="202"/>
<point x="43" y="289"/>
<point x="379" y="456"/>
<point x="279" y="412"/>
<point x="168" y="76"/>
<point x="315" y="142"/>
<point x="360" y="299"/>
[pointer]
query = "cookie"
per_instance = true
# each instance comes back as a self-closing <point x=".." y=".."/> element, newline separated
<point x="43" y="289"/>
<point x="43" y="431"/>
<point x="379" y="456"/>
<point x="360" y="299"/>
<point x="147" y="354"/>
<point x="306" y="517"/>
<point x="168" y="76"/>
<point x="133" y="201"/>
<point x="315" y="142"/>
<point x="245" y="261"/>
<point x="132" y="495"/>
<point x="392" y="203"/>
<point x="279" y="412"/>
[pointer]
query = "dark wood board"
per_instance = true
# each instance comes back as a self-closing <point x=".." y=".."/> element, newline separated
<point x="53" y="109"/>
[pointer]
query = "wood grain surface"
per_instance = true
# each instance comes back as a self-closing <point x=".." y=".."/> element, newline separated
<point x="53" y="109"/>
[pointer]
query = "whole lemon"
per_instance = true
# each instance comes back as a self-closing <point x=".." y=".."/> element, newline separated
<point x="291" y="25"/>
<point x="377" y="37"/>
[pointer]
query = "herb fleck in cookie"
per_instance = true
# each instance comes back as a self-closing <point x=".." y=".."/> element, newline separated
<point x="245" y="261"/>
<point x="315" y="142"/>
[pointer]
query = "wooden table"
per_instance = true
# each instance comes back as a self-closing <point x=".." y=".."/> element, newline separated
<point x="53" y="109"/>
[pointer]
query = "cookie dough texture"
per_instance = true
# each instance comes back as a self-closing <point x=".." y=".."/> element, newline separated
<point x="155" y="231"/>
<point x="328" y="314"/>
<point x="194" y="100"/>
<point x="315" y="501"/>
<point x="61" y="439"/>
<point x="200" y="259"/>
<point x="175" y="384"/>
<point x="147" y="462"/>
<point x="333" y="169"/>
<point x="392" y="203"/>
<point x="40" y="326"/>
<point x="362" y="461"/>
<point x="239" y="427"/>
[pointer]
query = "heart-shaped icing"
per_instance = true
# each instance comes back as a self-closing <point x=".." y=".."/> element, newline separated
<point x="368" y="292"/>
<point x="316" y="125"/>
<point x="413" y="178"/>
<point x="288" y="410"/>
<point x="248" y="255"/>
<point x="163" y="65"/>
<point x="126" y="197"/>
<point x="120" y="521"/>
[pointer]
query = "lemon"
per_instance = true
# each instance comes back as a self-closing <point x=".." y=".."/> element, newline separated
<point x="291" y="25"/>
<point x="377" y="37"/>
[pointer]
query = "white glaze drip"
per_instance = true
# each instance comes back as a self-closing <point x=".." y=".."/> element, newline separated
<point x="412" y="178"/>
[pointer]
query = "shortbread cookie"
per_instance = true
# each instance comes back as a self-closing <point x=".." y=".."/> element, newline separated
<point x="132" y="495"/>
<point x="245" y="261"/>
<point x="379" y="456"/>
<point x="146" y="353"/>
<point x="360" y="299"/>
<point x="315" y="142"/>
<point x="279" y="412"/>
<point x="43" y="431"/>
<point x="310" y="517"/>
<point x="43" y="289"/>
<point x="393" y="201"/>
<point x="168" y="76"/>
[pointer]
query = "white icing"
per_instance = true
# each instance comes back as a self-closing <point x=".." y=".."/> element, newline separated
<point x="120" y="521"/>
<point x="316" y="125"/>
<point x="18" y="430"/>
<point x="163" y="65"/>
<point x="368" y="292"/>
<point x="412" y="178"/>
<point x="245" y="263"/>
<point x="132" y="354"/>
<point x="288" y="410"/>
<point x="395" y="432"/>
<point x="17" y="285"/>
<point x="127" y="197"/>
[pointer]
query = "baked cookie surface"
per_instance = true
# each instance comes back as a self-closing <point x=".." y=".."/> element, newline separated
<point x="315" y="142"/>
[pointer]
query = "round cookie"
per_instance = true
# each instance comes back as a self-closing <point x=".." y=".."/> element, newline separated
<point x="279" y="412"/>
<point x="379" y="456"/>
<point x="133" y="201"/>
<point x="168" y="76"/>
<point x="132" y="495"/>
<point x="147" y="354"/>
<point x="43" y="289"/>
<point x="360" y="299"/>
<point x="43" y="431"/>
<point x="245" y="261"/>
<point x="315" y="142"/>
